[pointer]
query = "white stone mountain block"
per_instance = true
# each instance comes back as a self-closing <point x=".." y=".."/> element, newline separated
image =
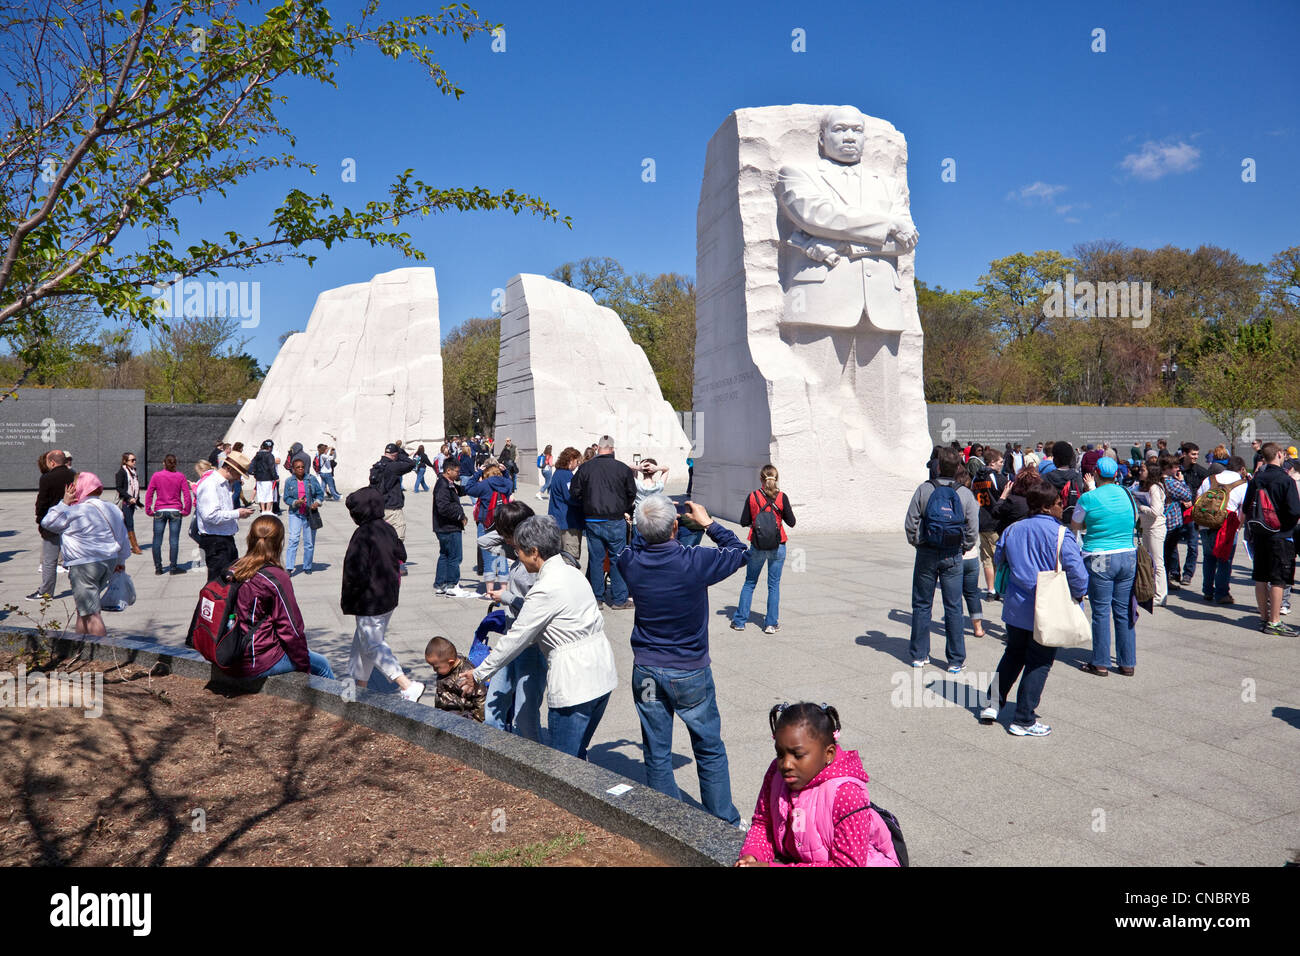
<point x="366" y="371"/>
<point x="839" y="411"/>
<point x="570" y="372"/>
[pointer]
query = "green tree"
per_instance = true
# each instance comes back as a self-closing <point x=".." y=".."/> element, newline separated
<point x="200" y="360"/>
<point x="1014" y="289"/>
<point x="658" y="312"/>
<point x="47" y="345"/>
<point x="959" y="345"/>
<point x="116" y="118"/>
<point x="470" y="353"/>
<point x="1237" y="374"/>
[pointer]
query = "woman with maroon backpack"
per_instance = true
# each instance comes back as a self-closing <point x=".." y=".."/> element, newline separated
<point x="767" y="512"/>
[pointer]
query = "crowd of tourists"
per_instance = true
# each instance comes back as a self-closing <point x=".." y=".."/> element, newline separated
<point x="1104" y="526"/>
<point x="991" y="525"/>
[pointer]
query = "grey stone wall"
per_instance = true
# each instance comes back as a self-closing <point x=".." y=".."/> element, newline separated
<point x="186" y="431"/>
<point x="1079" y="424"/>
<point x="95" y="425"/>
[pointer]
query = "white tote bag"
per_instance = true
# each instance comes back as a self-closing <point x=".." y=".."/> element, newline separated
<point x="1059" y="621"/>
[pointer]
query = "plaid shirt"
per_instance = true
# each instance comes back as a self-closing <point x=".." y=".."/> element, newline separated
<point x="1177" y="494"/>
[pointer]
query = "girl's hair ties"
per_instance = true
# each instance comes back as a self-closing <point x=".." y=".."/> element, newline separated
<point x="836" y="735"/>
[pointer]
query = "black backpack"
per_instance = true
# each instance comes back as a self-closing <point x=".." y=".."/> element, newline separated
<point x="767" y="521"/>
<point x="895" y="833"/>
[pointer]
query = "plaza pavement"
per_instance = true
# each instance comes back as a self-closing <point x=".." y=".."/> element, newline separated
<point x="1193" y="761"/>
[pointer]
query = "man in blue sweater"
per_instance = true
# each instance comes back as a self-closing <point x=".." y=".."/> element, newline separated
<point x="669" y="584"/>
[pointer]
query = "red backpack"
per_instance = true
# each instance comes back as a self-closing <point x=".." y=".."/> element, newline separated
<point x="485" y="516"/>
<point x="215" y="631"/>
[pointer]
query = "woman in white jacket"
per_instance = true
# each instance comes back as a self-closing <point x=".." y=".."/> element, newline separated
<point x="95" y="544"/>
<point x="561" y="616"/>
<point x="1151" y="517"/>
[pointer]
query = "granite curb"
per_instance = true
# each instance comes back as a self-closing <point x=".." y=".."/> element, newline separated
<point x="679" y="833"/>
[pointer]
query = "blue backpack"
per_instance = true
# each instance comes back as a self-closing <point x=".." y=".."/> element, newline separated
<point x="943" y="525"/>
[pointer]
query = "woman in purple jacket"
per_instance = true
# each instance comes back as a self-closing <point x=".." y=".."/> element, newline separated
<point x="1027" y="547"/>
<point x="266" y="604"/>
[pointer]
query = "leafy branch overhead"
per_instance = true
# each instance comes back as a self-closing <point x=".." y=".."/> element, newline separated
<point x="114" y="119"/>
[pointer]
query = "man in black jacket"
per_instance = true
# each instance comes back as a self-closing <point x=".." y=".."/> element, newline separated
<point x="1063" y="474"/>
<point x="48" y="494"/>
<point x="386" y="476"/>
<point x="370" y="589"/>
<point x="263" y="471"/>
<point x="448" y="524"/>
<point x="1274" y="549"/>
<point x="509" y="461"/>
<point x="606" y="489"/>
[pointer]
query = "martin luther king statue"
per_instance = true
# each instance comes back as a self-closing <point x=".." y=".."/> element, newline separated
<point x="814" y="360"/>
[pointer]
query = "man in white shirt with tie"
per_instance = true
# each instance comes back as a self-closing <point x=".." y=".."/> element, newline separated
<point x="850" y="225"/>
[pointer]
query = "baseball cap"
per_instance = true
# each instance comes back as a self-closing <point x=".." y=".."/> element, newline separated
<point x="390" y="449"/>
<point x="1107" y="467"/>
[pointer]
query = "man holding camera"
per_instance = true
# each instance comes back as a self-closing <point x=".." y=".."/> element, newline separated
<point x="670" y="644"/>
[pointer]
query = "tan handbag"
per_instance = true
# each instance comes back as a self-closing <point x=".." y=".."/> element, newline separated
<point x="1059" y="620"/>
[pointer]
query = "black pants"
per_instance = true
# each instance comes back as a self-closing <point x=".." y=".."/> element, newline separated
<point x="1023" y="654"/>
<point x="219" y="553"/>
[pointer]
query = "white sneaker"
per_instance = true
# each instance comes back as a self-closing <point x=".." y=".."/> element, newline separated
<point x="1039" y="729"/>
<point x="1286" y="607"/>
<point x="989" y="715"/>
<point x="457" y="591"/>
<point x="413" y="691"/>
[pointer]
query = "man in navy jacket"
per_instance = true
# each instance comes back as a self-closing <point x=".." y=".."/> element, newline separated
<point x="669" y="584"/>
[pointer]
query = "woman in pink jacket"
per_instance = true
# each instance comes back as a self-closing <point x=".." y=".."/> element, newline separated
<point x="814" y="809"/>
<point x="266" y="605"/>
<point x="167" y="499"/>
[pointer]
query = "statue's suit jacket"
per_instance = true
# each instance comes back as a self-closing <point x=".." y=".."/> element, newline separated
<point x="849" y="209"/>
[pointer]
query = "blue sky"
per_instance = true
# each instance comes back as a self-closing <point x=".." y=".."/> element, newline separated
<point x="1054" y="144"/>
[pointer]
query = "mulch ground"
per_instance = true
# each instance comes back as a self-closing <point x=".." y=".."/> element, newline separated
<point x="174" y="774"/>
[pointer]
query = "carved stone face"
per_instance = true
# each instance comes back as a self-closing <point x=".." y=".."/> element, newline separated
<point x="842" y="135"/>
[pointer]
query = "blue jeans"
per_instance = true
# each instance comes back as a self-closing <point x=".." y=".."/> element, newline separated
<point x="658" y="693"/>
<point x="689" y="538"/>
<point x="320" y="667"/>
<point x="1216" y="574"/>
<point x="299" y="529"/>
<point x="1110" y="588"/>
<point x="449" y="554"/>
<point x="602" y="537"/>
<point x="514" y="698"/>
<point x="755" y="561"/>
<point x="1023" y="654"/>
<point x="1193" y="545"/>
<point x="166" y="520"/>
<point x="497" y="565"/>
<point x="935" y="567"/>
<point x="419" y="480"/>
<point x="327" y="482"/>
<point x="572" y="727"/>
<point x="1173" y="567"/>
<point x="971" y="570"/>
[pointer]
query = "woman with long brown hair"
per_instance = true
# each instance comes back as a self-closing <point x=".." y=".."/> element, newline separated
<point x="765" y="500"/>
<point x="566" y="512"/>
<point x="127" y="483"/>
<point x="267" y="606"/>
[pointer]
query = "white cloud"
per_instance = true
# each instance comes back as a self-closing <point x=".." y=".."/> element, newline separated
<point x="1155" y="160"/>
<point x="1039" y="191"/>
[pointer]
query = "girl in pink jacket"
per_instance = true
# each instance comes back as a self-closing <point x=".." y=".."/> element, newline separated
<point x="814" y="809"/>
